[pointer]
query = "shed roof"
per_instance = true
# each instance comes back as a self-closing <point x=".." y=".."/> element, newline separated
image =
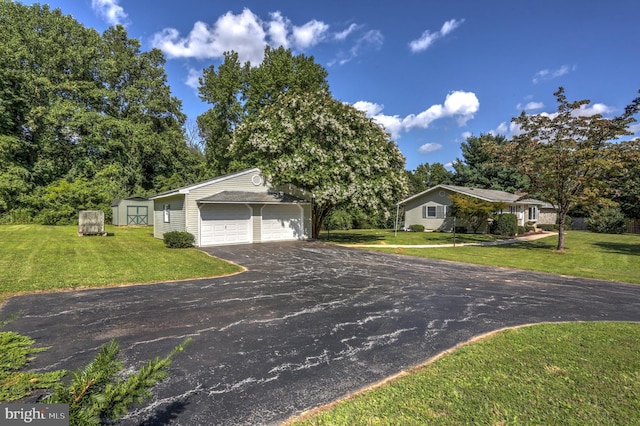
<point x="237" y="197"/>
<point x="116" y="203"/>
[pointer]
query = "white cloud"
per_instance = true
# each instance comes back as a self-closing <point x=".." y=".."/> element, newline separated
<point x="547" y="74"/>
<point x="428" y="38"/>
<point x="342" y="35"/>
<point x="372" y="39"/>
<point x="109" y="10"/>
<point x="369" y="108"/>
<point x="244" y="33"/>
<point x="508" y="130"/>
<point x="458" y="104"/>
<point x="429" y="147"/>
<point x="193" y="78"/>
<point x="530" y="106"/>
<point x="278" y="29"/>
<point x="309" y="34"/>
<point x="462" y="105"/>
<point x="466" y="135"/>
<point x="589" y="110"/>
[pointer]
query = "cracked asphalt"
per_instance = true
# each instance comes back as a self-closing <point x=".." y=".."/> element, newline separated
<point x="306" y="324"/>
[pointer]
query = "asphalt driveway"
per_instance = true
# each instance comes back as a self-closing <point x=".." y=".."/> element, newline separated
<point x="306" y="324"/>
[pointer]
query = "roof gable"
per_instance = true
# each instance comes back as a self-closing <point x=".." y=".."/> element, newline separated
<point x="189" y="188"/>
<point x="491" y="195"/>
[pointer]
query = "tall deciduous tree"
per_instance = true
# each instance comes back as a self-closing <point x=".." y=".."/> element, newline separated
<point x="427" y="175"/>
<point x="79" y="107"/>
<point x="326" y="147"/>
<point x="481" y="167"/>
<point x="237" y="91"/>
<point x="567" y="155"/>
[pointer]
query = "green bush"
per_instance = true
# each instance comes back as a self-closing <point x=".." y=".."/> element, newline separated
<point x="416" y="228"/>
<point x="177" y="239"/>
<point x="521" y="230"/>
<point x="506" y="224"/>
<point x="548" y="227"/>
<point x="607" y="220"/>
<point x="461" y="230"/>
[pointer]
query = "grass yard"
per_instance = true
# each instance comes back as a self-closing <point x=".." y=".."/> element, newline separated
<point x="385" y="236"/>
<point x="590" y="255"/>
<point x="568" y="374"/>
<point x="44" y="258"/>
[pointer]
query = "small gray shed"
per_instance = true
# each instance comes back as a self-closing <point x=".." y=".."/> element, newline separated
<point x="132" y="211"/>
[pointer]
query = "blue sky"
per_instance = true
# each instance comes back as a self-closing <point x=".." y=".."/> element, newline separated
<point x="431" y="72"/>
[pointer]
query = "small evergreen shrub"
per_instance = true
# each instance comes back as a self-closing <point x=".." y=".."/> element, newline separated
<point x="506" y="224"/>
<point x="521" y="230"/>
<point x="461" y="230"/>
<point x="177" y="239"/>
<point x="416" y="228"/>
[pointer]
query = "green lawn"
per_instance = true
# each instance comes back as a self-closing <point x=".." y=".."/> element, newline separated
<point x="37" y="258"/>
<point x="551" y="374"/>
<point x="385" y="236"/>
<point x="590" y="255"/>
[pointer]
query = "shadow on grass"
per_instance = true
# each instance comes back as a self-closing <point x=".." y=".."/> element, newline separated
<point x="350" y="238"/>
<point x="620" y="248"/>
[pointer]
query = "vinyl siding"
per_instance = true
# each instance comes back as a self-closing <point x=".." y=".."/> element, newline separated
<point x="236" y="183"/>
<point x="413" y="210"/>
<point x="176" y="218"/>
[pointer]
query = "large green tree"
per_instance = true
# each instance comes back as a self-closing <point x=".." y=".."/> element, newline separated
<point x="427" y="175"/>
<point x="568" y="155"/>
<point x="481" y="166"/>
<point x="78" y="107"/>
<point x="237" y="91"/>
<point x="326" y="147"/>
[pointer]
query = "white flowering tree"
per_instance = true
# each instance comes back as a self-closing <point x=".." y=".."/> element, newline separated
<point x="326" y="147"/>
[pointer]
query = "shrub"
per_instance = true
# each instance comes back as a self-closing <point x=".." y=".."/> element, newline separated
<point x="461" y="230"/>
<point x="548" y="227"/>
<point x="416" y="228"/>
<point x="521" y="230"/>
<point x="101" y="393"/>
<point x="506" y="224"/>
<point x="177" y="239"/>
<point x="607" y="220"/>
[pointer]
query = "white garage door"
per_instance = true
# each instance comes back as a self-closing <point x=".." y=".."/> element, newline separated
<point x="224" y="223"/>
<point x="281" y="222"/>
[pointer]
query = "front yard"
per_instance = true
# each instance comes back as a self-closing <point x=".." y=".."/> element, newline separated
<point x="45" y="258"/>
<point x="601" y="256"/>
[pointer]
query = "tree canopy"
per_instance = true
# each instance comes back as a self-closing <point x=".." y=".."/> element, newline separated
<point x="237" y="91"/>
<point x="568" y="155"/>
<point x="83" y="116"/>
<point x="481" y="166"/>
<point x="326" y="147"/>
<point x="427" y="175"/>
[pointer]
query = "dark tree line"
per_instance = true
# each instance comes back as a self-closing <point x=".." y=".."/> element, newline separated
<point x="85" y="118"/>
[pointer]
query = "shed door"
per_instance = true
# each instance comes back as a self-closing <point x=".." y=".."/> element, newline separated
<point x="224" y="223"/>
<point x="281" y="222"/>
<point x="137" y="215"/>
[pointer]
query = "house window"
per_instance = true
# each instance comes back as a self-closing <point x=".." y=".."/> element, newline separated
<point x="428" y="211"/>
<point x="533" y="213"/>
<point x="166" y="209"/>
<point x="437" y="211"/>
<point x="514" y="209"/>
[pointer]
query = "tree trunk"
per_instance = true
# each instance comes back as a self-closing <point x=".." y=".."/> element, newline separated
<point x="561" y="222"/>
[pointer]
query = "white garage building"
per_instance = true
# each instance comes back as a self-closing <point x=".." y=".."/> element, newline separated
<point x="234" y="209"/>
